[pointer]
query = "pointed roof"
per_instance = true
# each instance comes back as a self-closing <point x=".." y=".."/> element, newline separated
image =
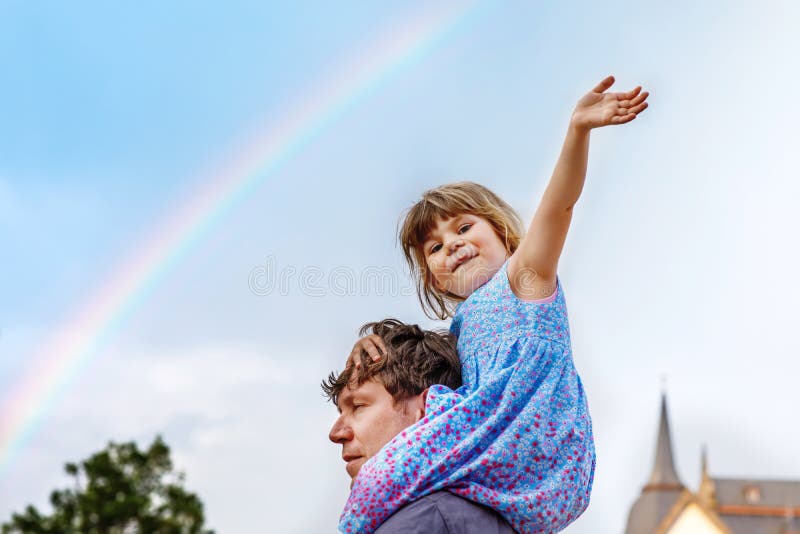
<point x="664" y="475"/>
<point x="731" y="506"/>
<point x="663" y="491"/>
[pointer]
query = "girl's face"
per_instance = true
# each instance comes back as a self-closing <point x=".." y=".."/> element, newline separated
<point x="463" y="253"/>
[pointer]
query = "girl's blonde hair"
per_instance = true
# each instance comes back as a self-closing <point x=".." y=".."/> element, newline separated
<point x="444" y="202"/>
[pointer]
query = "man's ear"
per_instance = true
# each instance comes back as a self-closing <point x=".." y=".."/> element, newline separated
<point x="419" y="412"/>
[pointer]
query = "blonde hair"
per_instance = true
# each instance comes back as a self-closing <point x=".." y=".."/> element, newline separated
<point x="444" y="202"/>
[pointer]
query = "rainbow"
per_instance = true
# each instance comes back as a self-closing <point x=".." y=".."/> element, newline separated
<point x="71" y="347"/>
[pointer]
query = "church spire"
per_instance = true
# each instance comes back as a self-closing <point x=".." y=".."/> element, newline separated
<point x="664" y="475"/>
<point x="708" y="491"/>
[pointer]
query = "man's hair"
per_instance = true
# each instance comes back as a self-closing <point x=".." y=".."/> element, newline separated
<point x="416" y="360"/>
<point x="442" y="203"/>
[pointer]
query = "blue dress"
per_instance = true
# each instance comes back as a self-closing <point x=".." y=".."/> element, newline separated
<point x="516" y="437"/>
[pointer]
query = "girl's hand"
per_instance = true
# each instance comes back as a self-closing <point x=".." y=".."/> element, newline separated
<point x="372" y="344"/>
<point x="598" y="108"/>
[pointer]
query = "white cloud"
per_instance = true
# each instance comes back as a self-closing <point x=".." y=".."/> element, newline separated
<point x="246" y="426"/>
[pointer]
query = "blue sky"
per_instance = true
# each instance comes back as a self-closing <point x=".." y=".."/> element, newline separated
<point x="680" y="261"/>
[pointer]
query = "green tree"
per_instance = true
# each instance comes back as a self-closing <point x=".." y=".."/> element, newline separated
<point x="119" y="490"/>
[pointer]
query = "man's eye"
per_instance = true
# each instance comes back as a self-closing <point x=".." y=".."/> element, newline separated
<point x="435" y="248"/>
<point x="357" y="406"/>
<point x="464" y="228"/>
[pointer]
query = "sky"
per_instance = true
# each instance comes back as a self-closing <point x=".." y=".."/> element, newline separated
<point x="320" y="123"/>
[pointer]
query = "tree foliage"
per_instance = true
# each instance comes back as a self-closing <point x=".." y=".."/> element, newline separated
<point x="119" y="490"/>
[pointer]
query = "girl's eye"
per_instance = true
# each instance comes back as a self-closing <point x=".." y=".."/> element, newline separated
<point x="435" y="248"/>
<point x="464" y="228"/>
<point x="357" y="406"/>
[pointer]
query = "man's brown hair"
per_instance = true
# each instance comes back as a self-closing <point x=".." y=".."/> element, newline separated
<point x="444" y="202"/>
<point x="417" y="359"/>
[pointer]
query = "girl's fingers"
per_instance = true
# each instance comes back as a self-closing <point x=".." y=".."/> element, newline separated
<point x="601" y="87"/>
<point x="629" y="114"/>
<point x="638" y="109"/>
<point x="372" y="350"/>
<point x="382" y="345"/>
<point x="636" y="101"/>
<point x="622" y="110"/>
<point x="355" y="356"/>
<point x="630" y="105"/>
<point x="374" y="346"/>
<point x="623" y="119"/>
<point x="630" y="94"/>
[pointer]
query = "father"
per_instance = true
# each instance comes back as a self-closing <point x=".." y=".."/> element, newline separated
<point x="377" y="399"/>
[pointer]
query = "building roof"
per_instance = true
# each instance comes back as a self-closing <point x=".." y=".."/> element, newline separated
<point x="735" y="505"/>
<point x="650" y="509"/>
<point x="757" y="492"/>
<point x="758" y="506"/>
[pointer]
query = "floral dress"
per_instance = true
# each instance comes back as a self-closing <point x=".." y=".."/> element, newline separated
<point x="516" y="436"/>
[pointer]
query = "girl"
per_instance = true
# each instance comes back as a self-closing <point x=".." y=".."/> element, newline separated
<point x="517" y="436"/>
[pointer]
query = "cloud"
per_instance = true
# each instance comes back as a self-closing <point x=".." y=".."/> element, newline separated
<point x="249" y="427"/>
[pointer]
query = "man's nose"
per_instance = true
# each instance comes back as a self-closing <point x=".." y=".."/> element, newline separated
<point x="340" y="432"/>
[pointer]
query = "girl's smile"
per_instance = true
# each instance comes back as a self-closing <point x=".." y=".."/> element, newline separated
<point x="463" y="253"/>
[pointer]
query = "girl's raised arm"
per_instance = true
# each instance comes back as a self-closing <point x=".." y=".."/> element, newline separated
<point x="532" y="268"/>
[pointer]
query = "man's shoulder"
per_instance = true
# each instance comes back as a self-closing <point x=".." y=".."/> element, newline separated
<point x="445" y="513"/>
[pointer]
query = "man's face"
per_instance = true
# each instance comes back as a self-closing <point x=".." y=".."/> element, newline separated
<point x="369" y="418"/>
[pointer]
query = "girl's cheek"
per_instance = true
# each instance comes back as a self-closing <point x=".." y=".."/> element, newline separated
<point x="434" y="280"/>
<point x="435" y="269"/>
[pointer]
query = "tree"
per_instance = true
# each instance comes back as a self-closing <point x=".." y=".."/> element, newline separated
<point x="119" y="490"/>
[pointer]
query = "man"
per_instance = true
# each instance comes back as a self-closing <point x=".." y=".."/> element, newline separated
<point x="377" y="399"/>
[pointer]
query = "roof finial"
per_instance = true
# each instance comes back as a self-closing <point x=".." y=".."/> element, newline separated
<point x="704" y="459"/>
<point x="664" y="475"/>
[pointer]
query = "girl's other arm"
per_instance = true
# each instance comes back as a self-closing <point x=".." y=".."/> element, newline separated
<point x="532" y="268"/>
<point x="372" y="344"/>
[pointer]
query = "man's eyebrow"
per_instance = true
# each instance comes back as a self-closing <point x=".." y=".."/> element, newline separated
<point x="346" y="400"/>
<point x="354" y="395"/>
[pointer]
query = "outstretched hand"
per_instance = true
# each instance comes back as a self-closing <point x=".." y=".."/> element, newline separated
<point x="598" y="108"/>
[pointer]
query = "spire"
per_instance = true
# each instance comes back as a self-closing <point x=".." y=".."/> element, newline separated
<point x="708" y="491"/>
<point x="664" y="475"/>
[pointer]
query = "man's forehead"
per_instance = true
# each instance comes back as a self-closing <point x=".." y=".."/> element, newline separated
<point x="370" y="387"/>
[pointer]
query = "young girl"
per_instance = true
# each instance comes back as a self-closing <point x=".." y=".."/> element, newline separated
<point x="517" y="436"/>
